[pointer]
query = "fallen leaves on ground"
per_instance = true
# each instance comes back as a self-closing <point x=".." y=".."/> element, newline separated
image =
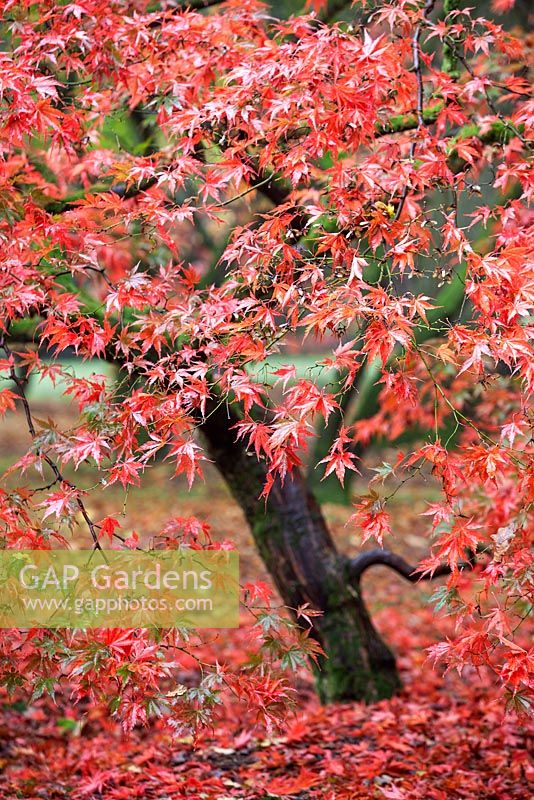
<point x="441" y="738"/>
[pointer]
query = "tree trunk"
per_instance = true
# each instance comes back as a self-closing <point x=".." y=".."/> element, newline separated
<point x="297" y="548"/>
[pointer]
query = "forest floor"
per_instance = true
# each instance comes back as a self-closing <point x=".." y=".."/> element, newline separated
<point x="444" y="737"/>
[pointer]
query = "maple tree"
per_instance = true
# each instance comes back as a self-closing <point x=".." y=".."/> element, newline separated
<point x="188" y="193"/>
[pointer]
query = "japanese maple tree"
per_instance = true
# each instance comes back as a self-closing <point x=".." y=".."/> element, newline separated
<point x="192" y="190"/>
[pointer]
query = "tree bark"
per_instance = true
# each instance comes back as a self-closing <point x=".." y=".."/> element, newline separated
<point x="297" y="548"/>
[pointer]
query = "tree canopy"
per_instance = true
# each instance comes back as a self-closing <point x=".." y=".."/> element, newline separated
<point x="196" y="191"/>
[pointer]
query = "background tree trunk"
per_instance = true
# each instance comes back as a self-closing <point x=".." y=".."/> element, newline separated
<point x="297" y="548"/>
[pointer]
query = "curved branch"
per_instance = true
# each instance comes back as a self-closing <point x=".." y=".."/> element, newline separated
<point x="357" y="566"/>
<point x="196" y="5"/>
<point x="120" y="189"/>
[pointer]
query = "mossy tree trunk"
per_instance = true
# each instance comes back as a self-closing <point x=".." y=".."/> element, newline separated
<point x="297" y="548"/>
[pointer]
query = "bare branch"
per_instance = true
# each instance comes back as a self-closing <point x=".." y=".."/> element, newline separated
<point x="196" y="5"/>
<point x="357" y="566"/>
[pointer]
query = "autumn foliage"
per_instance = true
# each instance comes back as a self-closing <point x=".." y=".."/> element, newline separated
<point x="193" y="196"/>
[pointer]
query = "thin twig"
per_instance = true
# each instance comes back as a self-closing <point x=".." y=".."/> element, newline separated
<point x="507" y="124"/>
<point x="416" y="50"/>
<point x="59" y="477"/>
